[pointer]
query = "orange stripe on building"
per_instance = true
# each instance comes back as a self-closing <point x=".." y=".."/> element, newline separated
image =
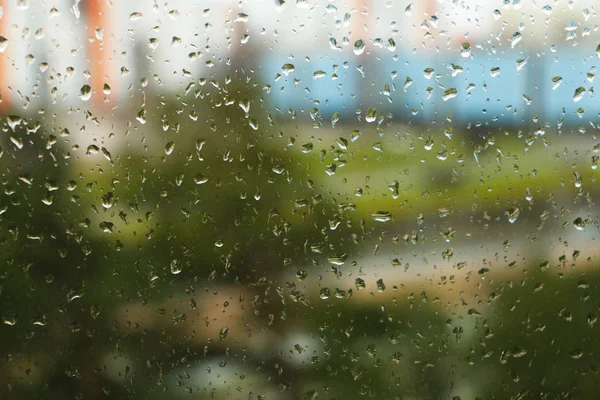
<point x="98" y="16"/>
<point x="5" y="70"/>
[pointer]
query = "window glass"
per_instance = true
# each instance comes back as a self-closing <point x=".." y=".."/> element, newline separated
<point x="299" y="199"/>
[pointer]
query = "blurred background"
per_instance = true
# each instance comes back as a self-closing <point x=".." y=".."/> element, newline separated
<point x="299" y="199"/>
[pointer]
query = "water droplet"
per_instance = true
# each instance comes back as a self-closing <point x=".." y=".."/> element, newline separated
<point x="223" y="333"/>
<point x="153" y="43"/>
<point x="359" y="47"/>
<point x="516" y="38"/>
<point x="521" y="63"/>
<point x="319" y="74"/>
<point x="571" y="26"/>
<point x="334" y="119"/>
<point x="391" y="45"/>
<point x="512" y="214"/>
<point x="141" y="116"/>
<point x="428" y="72"/>
<point x="288" y="69"/>
<point x="86" y="92"/>
<point x="449" y="94"/>
<point x="371" y="115"/>
<point x="338" y="259"/>
<point x="579" y="224"/>
<point x="3" y="44"/>
<point x="169" y="148"/>
<point x="280" y="5"/>
<point x="22" y="4"/>
<point x="200" y="179"/>
<point x="465" y="50"/>
<point x="241" y="17"/>
<point x="578" y="95"/>
<point x="382" y="216"/>
<point x="176" y="267"/>
<point x="556" y="82"/>
<point x="108" y="200"/>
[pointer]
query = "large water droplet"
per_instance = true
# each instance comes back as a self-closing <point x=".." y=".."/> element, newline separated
<point x="3" y="44"/>
<point x="288" y="69"/>
<point x="176" y="267"/>
<point x="359" y="47"/>
<point x="556" y="81"/>
<point x="578" y="95"/>
<point x="169" y="148"/>
<point x="513" y="214"/>
<point x="449" y="94"/>
<point x="371" y="115"/>
<point x="465" y="50"/>
<point x="516" y="38"/>
<point x="86" y="92"/>
<point x="382" y="216"/>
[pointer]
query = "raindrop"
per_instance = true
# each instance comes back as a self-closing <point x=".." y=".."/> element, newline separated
<point x="578" y="95"/>
<point x="176" y="267"/>
<point x="516" y="38"/>
<point x="3" y="44"/>
<point x="556" y="82"/>
<point x="428" y="72"/>
<point x="465" y="50"/>
<point x="280" y="5"/>
<point x="382" y="216"/>
<point x="371" y="115"/>
<point x="108" y="200"/>
<point x="86" y="92"/>
<point x="359" y="47"/>
<point x="449" y="94"/>
<point x="169" y="148"/>
<point x="319" y="74"/>
<point x="512" y="214"/>
<point x="288" y="69"/>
